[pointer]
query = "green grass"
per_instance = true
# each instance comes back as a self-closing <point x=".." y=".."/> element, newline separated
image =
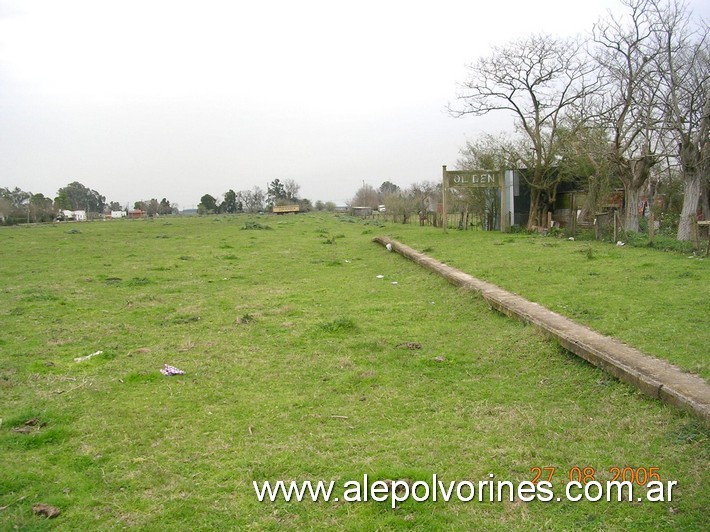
<point x="294" y="373"/>
<point x="654" y="300"/>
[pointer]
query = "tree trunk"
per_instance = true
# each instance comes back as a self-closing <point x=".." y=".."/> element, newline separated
<point x="534" y="219"/>
<point x="632" y="195"/>
<point x="705" y="199"/>
<point x="691" y="196"/>
<point x="640" y="170"/>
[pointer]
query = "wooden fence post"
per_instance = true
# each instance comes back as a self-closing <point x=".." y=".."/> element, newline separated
<point x="694" y="233"/>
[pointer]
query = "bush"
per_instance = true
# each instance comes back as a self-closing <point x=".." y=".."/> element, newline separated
<point x="252" y="225"/>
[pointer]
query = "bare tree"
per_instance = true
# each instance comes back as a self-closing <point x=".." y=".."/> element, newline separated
<point x="425" y="198"/>
<point x="252" y="200"/>
<point x="401" y="206"/>
<point x="627" y="53"/>
<point x="537" y="79"/>
<point x="291" y="188"/>
<point x="366" y="196"/>
<point x="684" y="67"/>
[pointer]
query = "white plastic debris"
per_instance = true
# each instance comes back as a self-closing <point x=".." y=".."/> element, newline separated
<point x="389" y="247"/>
<point x="87" y="357"/>
<point x="380" y="276"/>
<point x="571" y="239"/>
<point x="169" y="370"/>
<point x="619" y="243"/>
<point x="395" y="282"/>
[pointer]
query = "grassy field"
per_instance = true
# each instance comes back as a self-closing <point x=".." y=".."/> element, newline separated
<point x="654" y="300"/>
<point x="302" y="364"/>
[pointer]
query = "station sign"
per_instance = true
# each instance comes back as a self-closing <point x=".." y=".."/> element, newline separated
<point x="473" y="179"/>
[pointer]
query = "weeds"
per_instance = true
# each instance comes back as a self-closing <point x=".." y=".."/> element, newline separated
<point x="338" y="326"/>
<point x="251" y="225"/>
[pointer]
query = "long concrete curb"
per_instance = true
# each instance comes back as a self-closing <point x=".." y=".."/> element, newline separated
<point x="653" y="376"/>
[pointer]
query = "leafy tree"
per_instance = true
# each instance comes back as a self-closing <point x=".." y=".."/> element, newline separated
<point x="153" y="207"/>
<point x="18" y="206"/>
<point x="62" y="201"/>
<point x="41" y="208"/>
<point x="320" y="206"/>
<point x="388" y="188"/>
<point x="114" y="206"/>
<point x="207" y="205"/>
<point x="230" y="204"/>
<point x="330" y="206"/>
<point x="76" y="196"/>
<point x="275" y="191"/>
<point x="14" y="205"/>
<point x="165" y="207"/>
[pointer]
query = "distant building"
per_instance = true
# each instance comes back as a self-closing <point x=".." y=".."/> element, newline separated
<point x="136" y="213"/>
<point x="285" y="209"/>
<point x="361" y="211"/>
<point x="66" y="215"/>
<point x="118" y="214"/>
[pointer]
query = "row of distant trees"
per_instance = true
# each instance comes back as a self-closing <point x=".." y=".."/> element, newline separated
<point x="154" y="207"/>
<point x="628" y="107"/>
<point x="259" y="200"/>
<point x="19" y="206"/>
<point x="419" y="201"/>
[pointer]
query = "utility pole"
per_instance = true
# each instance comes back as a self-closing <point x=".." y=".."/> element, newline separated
<point x="444" y="216"/>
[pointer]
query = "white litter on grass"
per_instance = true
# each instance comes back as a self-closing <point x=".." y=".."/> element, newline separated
<point x="380" y="276"/>
<point x="619" y="243"/>
<point x="348" y="261"/>
<point x="571" y="239"/>
<point x="169" y="370"/>
<point x="389" y="247"/>
<point x="395" y="282"/>
<point x="87" y="357"/>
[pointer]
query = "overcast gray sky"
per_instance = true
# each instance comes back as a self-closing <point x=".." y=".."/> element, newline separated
<point x="147" y="98"/>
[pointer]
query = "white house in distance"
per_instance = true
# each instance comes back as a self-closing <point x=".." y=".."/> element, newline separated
<point x="118" y="214"/>
<point x="79" y="216"/>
